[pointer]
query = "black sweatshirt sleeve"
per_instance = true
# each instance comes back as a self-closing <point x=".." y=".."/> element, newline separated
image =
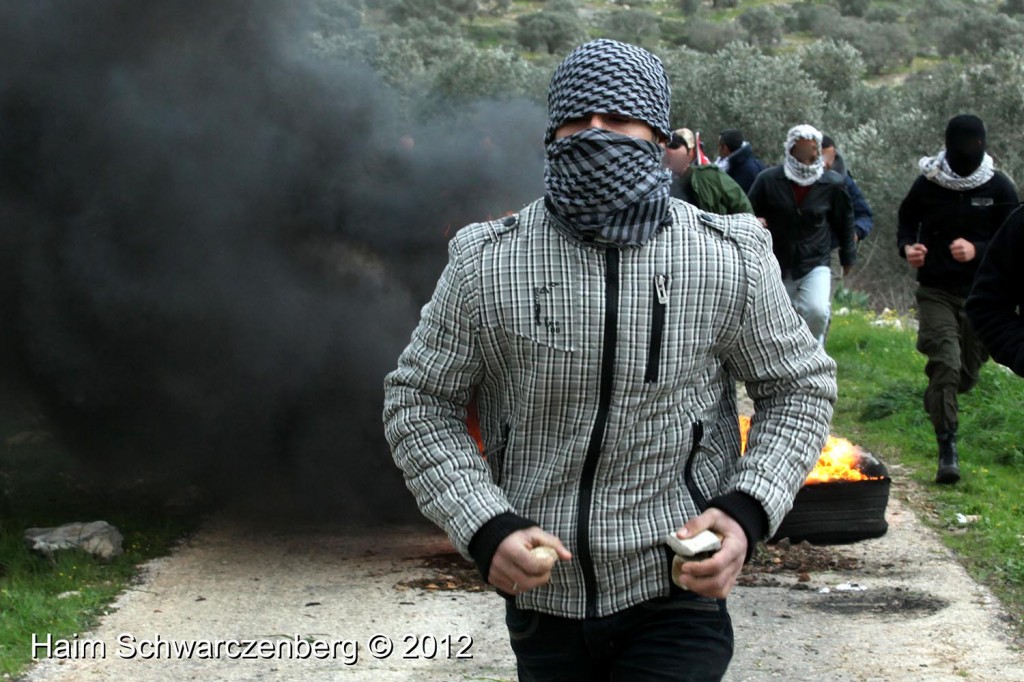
<point x="995" y="303"/>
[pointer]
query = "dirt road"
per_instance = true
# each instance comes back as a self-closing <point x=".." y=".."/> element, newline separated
<point x="325" y="603"/>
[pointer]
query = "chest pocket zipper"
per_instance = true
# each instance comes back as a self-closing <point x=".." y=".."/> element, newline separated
<point x="658" y="306"/>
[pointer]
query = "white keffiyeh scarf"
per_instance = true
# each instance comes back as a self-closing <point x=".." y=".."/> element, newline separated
<point x="802" y="173"/>
<point x="936" y="169"/>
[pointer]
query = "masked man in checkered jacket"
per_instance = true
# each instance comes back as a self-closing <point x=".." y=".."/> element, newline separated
<point x="601" y="331"/>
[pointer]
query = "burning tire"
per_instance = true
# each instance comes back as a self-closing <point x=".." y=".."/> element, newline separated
<point x="837" y="512"/>
<point x="843" y="499"/>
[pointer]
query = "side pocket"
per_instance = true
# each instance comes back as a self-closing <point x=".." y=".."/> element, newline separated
<point x="691" y="484"/>
<point x="500" y="454"/>
<point x="521" y="623"/>
<point x="658" y="306"/>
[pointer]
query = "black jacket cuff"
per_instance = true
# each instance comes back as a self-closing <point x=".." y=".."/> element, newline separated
<point x="486" y="540"/>
<point x="747" y="512"/>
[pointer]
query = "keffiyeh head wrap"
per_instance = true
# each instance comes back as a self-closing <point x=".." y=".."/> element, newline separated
<point x="801" y="173"/>
<point x="599" y="182"/>
<point x="609" y="77"/>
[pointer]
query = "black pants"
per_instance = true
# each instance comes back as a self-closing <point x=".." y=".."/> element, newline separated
<point x="679" y="637"/>
<point x="955" y="354"/>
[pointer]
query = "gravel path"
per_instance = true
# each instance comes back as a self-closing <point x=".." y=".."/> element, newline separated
<point x="918" y="615"/>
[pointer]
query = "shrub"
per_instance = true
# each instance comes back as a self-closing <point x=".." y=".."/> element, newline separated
<point x="836" y="67"/>
<point x="854" y="8"/>
<point x="982" y="32"/>
<point x="709" y="36"/>
<point x="886" y="14"/>
<point x="402" y="11"/>
<point x="551" y="31"/>
<point x="753" y="92"/>
<point x="635" y="26"/>
<point x="815" y="19"/>
<point x="884" y="47"/>
<point x="689" y="7"/>
<point x="1013" y="7"/>
<point x="472" y="74"/>
<point x="762" y="25"/>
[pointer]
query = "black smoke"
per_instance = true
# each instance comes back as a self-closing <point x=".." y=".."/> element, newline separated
<point x="213" y="246"/>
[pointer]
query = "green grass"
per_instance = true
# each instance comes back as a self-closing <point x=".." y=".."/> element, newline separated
<point x="881" y="383"/>
<point x="42" y="486"/>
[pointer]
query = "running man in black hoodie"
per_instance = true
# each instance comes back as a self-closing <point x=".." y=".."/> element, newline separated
<point x="945" y="223"/>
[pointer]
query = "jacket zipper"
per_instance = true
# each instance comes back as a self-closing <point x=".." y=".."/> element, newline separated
<point x="658" y="307"/>
<point x="611" y="322"/>
<point x="691" y="485"/>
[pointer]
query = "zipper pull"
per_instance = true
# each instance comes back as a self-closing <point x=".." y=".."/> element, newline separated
<point x="661" y="288"/>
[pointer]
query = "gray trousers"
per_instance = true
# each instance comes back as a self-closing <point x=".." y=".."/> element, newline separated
<point x="955" y="354"/>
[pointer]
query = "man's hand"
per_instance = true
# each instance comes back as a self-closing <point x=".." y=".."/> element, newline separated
<point x="846" y="270"/>
<point x="962" y="250"/>
<point x="715" y="576"/>
<point x="514" y="569"/>
<point x="915" y="254"/>
<point x="764" y="223"/>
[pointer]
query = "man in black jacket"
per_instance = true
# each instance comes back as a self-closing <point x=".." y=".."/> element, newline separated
<point x="736" y="158"/>
<point x="945" y="224"/>
<point x="805" y="207"/>
<point x="996" y="303"/>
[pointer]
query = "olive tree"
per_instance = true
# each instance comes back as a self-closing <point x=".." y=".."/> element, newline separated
<point x="551" y="31"/>
<point x="710" y="36"/>
<point x="739" y="87"/>
<point x="763" y="26"/>
<point x="401" y="11"/>
<point x="982" y="32"/>
<point x="813" y="18"/>
<point x="884" y="47"/>
<point x="470" y="73"/>
<point x="836" y="67"/>
<point x="636" y="26"/>
<point x="854" y="8"/>
<point x="689" y="7"/>
<point x="1012" y="7"/>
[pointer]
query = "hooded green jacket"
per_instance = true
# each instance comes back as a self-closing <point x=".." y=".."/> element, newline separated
<point x="709" y="189"/>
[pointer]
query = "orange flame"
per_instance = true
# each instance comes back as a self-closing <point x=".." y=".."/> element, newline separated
<point x="744" y="430"/>
<point x="839" y="460"/>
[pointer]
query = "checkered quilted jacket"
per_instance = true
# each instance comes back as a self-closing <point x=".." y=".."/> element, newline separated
<point x="605" y="384"/>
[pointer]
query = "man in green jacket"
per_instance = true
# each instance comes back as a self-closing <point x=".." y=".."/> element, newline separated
<point x="697" y="181"/>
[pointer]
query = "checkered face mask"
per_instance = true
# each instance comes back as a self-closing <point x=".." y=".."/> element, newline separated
<point x="608" y="184"/>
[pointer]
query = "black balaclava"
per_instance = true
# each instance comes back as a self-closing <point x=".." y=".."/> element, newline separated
<point x="965" y="144"/>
